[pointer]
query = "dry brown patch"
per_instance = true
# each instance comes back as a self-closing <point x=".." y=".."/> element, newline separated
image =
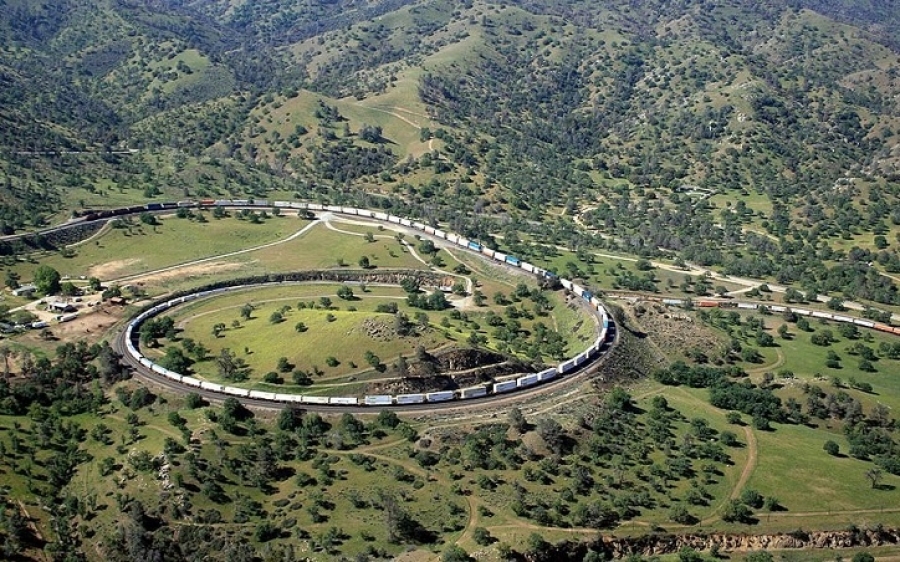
<point x="189" y="271"/>
<point x="112" y="269"/>
<point x="91" y="326"/>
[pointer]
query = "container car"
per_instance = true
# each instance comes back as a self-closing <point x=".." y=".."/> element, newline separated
<point x="505" y="386"/>
<point x="472" y="392"/>
<point x="379" y="400"/>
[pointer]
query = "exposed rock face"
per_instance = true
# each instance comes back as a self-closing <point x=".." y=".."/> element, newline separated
<point x="50" y="239"/>
<point x="451" y="369"/>
<point x="658" y="544"/>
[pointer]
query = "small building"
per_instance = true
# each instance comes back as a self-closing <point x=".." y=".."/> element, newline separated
<point x="60" y="306"/>
<point x="117" y="301"/>
<point x="24" y="291"/>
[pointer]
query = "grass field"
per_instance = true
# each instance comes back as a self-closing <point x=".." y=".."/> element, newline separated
<point x="343" y="332"/>
<point x="122" y="252"/>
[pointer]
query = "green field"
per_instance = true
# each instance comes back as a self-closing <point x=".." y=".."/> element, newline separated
<point x="344" y="332"/>
<point x="116" y="253"/>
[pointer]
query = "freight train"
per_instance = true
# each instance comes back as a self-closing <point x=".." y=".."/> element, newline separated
<point x="606" y="327"/>
<point x="865" y="323"/>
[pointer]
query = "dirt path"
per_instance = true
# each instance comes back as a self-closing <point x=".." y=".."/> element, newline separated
<point x="397" y="115"/>
<point x="750" y="466"/>
<point x="770" y="367"/>
<point x="463" y="303"/>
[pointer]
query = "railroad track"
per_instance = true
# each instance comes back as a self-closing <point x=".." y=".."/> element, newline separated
<point x="575" y="378"/>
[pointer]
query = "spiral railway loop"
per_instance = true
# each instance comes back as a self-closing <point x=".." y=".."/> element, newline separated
<point x="128" y="340"/>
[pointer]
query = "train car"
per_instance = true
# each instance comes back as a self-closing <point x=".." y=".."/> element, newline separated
<point x="499" y="256"/>
<point x="586" y="295"/>
<point x="207" y="202"/>
<point x="169" y="205"/>
<point x="598" y="304"/>
<point x="440" y="233"/>
<point x="566" y="283"/>
<point x="776" y="308"/>
<point x="547" y="375"/>
<point x="240" y="202"/>
<point x="190" y="381"/>
<point x="802" y="312"/>
<point x="222" y="202"/>
<point x="428" y="229"/>
<point x="581" y="358"/>
<point x="527" y="380"/>
<point x="405" y="222"/>
<point x="154" y="206"/>
<point x="747" y="305"/>
<point x="282" y="204"/>
<point x="166" y="373"/>
<point x="512" y="260"/>
<point x="565" y="366"/>
<point x="279" y="397"/>
<point x="378" y="400"/>
<point x="394" y="219"/>
<point x="454" y="238"/>
<point x="708" y="304"/>
<point x="146" y="362"/>
<point x="350" y="210"/>
<point x="839" y="318"/>
<point x="464" y="242"/>
<point x="864" y="323"/>
<point x="381" y="216"/>
<point x="527" y="267"/>
<point x="315" y="206"/>
<point x="314" y="399"/>
<point x="487" y="251"/>
<point x="825" y="315"/>
<point x="344" y="400"/>
<point x="410" y="398"/>
<point x="673" y="302"/>
<point x="260" y="395"/>
<point x="187" y="203"/>
<point x="505" y="386"/>
<point x="883" y="328"/>
<point x="333" y="208"/>
<point x="441" y="396"/>
<point x="242" y="392"/>
<point x="205" y="385"/>
<point x="473" y="392"/>
<point x="474" y="246"/>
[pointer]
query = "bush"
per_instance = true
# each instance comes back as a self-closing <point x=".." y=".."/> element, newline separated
<point x="482" y="536"/>
<point x="832" y="448"/>
<point x="752" y="498"/>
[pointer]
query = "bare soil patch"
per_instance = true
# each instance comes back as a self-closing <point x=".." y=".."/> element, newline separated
<point x="189" y="271"/>
<point x="674" y="331"/>
<point x="112" y="269"/>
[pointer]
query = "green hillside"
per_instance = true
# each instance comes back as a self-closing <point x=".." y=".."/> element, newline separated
<point x="666" y="149"/>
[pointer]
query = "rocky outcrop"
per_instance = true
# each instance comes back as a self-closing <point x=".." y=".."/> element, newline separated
<point x="52" y="239"/>
<point x="658" y="544"/>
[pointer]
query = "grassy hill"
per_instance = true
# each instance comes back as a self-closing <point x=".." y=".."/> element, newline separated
<point x="752" y="139"/>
